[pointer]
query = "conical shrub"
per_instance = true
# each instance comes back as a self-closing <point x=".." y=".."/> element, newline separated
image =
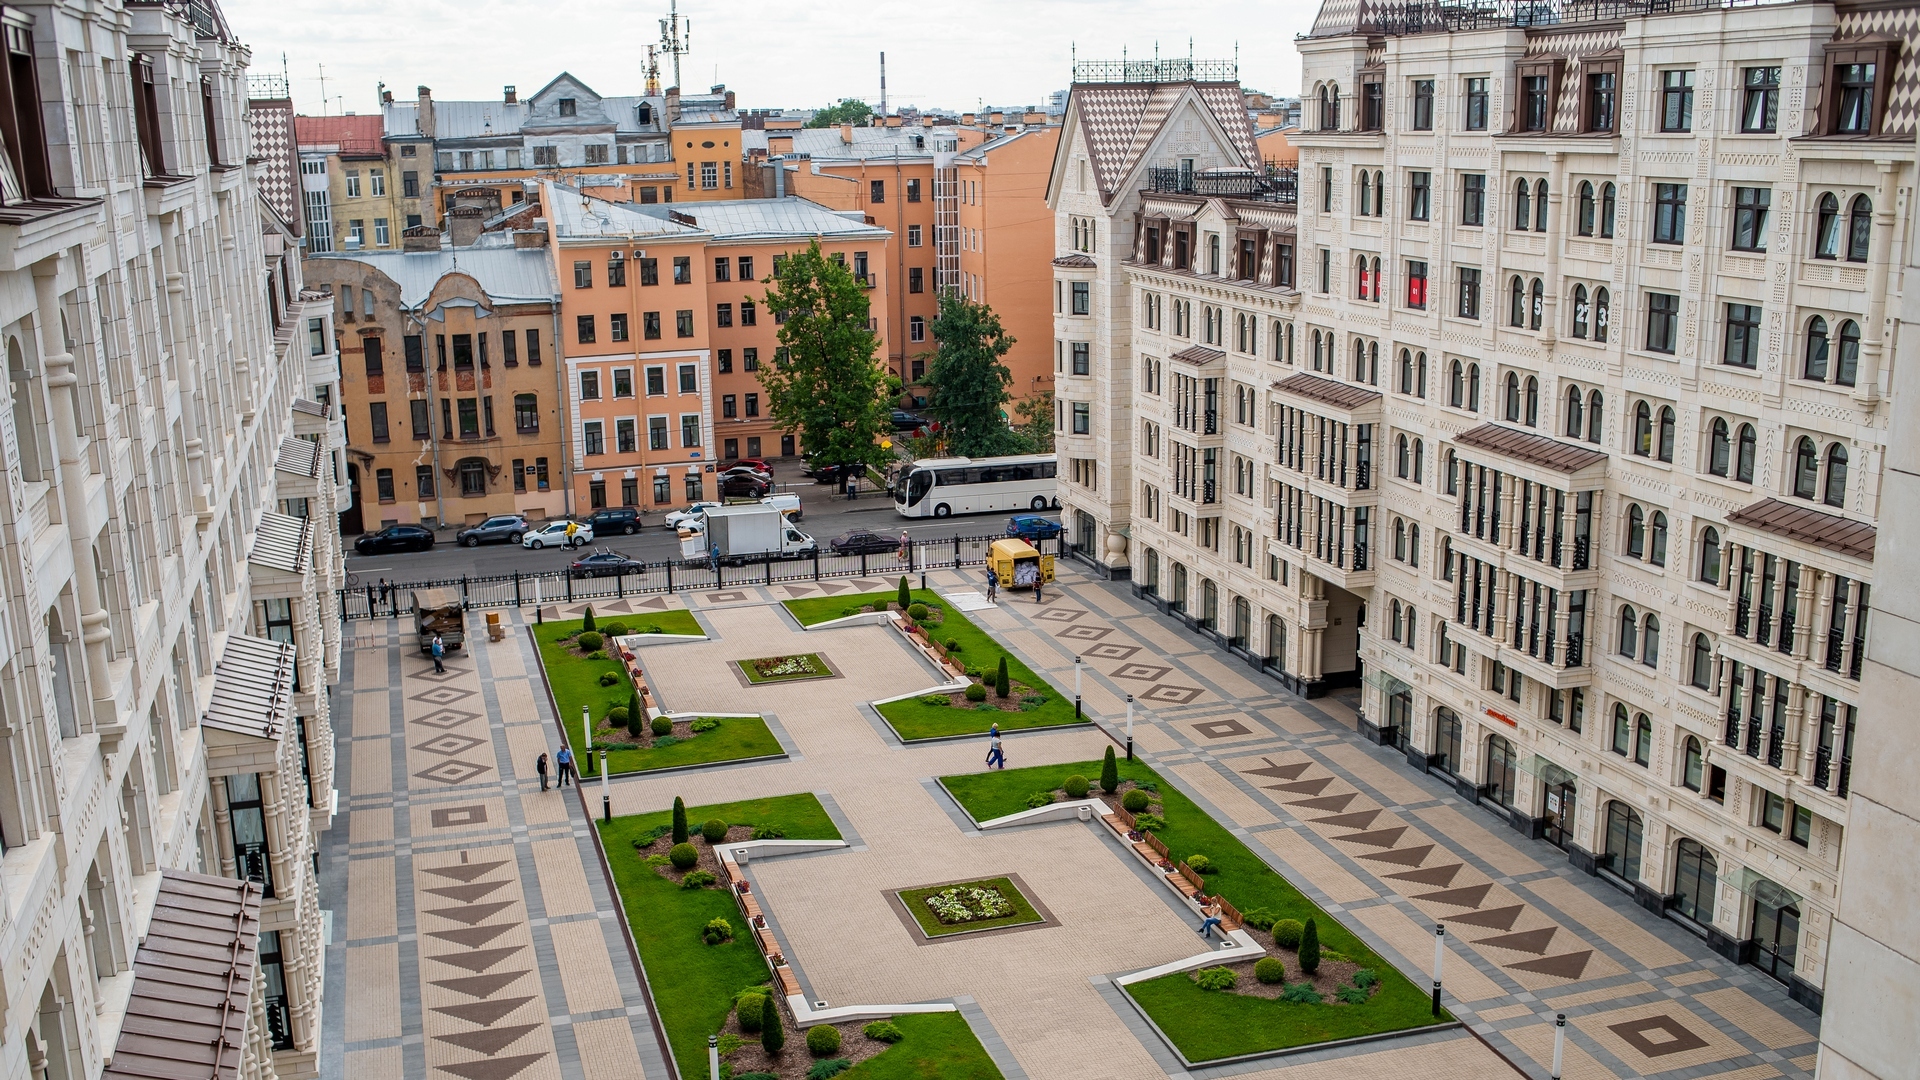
<point x="679" y="821"/>
<point x="1310" y="948"/>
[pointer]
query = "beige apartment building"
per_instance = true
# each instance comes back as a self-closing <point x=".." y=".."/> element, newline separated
<point x="168" y="632"/>
<point x="1549" y="408"/>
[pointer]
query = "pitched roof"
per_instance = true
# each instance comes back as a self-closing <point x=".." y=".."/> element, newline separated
<point x="1830" y="532"/>
<point x="1530" y="447"/>
<point x="1077" y="262"/>
<point x="192" y="982"/>
<point x="1327" y="391"/>
<point x="283" y="542"/>
<point x="582" y="217"/>
<point x="509" y="275"/>
<point x="1120" y="121"/>
<point x="252" y="687"/>
<point x="350" y="133"/>
<point x="1197" y="355"/>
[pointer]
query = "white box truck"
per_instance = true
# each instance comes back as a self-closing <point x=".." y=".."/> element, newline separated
<point x="745" y="534"/>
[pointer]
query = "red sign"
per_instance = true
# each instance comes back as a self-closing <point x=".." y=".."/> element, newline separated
<point x="1503" y="718"/>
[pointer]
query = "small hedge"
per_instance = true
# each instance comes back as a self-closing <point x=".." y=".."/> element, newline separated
<point x="918" y="613"/>
<point x="1286" y="933"/>
<point x="823" y="1040"/>
<point x="617" y="716"/>
<point x="1136" y="801"/>
<point x="976" y="692"/>
<point x="828" y="1069"/>
<point x="714" y="830"/>
<point x="885" y="1031"/>
<point x="748" y="1010"/>
<point x="662" y="725"/>
<point x="697" y="879"/>
<point x="590" y="641"/>
<point x="717" y="931"/>
<point x="1076" y="786"/>
<point x="1039" y="799"/>
<point x="1200" y="864"/>
<point x="1270" y="970"/>
<point x="684" y="856"/>
<point x="705" y="723"/>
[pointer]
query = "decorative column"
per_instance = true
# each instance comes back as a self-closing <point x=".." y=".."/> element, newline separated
<point x="1735" y="555"/>
<point x="1866" y="388"/>
<point x="222" y="826"/>
<point x="1852" y="627"/>
<point x="1557" y="223"/>
<point x="1804" y="608"/>
<point x="1568" y="516"/>
<point x="1796" y="726"/>
<point x="185" y="370"/>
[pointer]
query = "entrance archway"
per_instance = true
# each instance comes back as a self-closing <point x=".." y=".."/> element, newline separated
<point x="1447" y="746"/>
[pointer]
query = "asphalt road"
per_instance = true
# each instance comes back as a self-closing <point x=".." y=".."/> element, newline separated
<point x="825" y="516"/>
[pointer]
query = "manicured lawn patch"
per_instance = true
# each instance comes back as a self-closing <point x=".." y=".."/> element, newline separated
<point x="574" y="679"/>
<point x="671" y="621"/>
<point x="916" y="719"/>
<point x="694" y="982"/>
<point x="970" y="906"/>
<point x="1205" y="1024"/>
<point x="938" y="1046"/>
<point x="792" y="668"/>
<point x="736" y="737"/>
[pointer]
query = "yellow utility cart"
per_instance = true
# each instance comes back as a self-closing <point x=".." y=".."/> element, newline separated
<point x="1018" y="565"/>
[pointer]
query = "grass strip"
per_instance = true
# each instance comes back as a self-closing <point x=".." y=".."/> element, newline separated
<point x="916" y="903"/>
<point x="938" y="1046"/>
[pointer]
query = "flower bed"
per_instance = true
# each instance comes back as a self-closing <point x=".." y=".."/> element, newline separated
<point x="958" y="908"/>
<point x="965" y="905"/>
<point x="786" y="668"/>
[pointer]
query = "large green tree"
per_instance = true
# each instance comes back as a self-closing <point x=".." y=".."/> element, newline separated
<point x="825" y="383"/>
<point x="845" y="111"/>
<point x="967" y="380"/>
<point x="1036" y="421"/>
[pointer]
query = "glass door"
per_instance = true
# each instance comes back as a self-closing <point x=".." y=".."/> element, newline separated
<point x="1776" y="931"/>
<point x="1500" y="770"/>
<point x="1559" y="812"/>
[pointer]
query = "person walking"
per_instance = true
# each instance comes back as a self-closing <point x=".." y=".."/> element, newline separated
<point x="439" y="650"/>
<point x="540" y="766"/>
<point x="993" y="587"/>
<point x="1211" y="910"/>
<point x="1037" y="585"/>
<point x="996" y="756"/>
<point x="713" y="559"/>
<point x="565" y="760"/>
<point x="906" y="545"/>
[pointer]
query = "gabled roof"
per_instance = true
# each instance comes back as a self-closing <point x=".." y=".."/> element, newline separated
<point x="252" y="687"/>
<point x="283" y="543"/>
<point x="192" y="982"/>
<point x="1830" y="532"/>
<point x="1530" y="447"/>
<point x="1119" y="122"/>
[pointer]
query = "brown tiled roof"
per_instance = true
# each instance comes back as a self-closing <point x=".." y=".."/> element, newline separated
<point x="1809" y="526"/>
<point x="1078" y="262"/>
<point x="1531" y="448"/>
<point x="1337" y="394"/>
<point x="253" y="684"/>
<point x="1198" y="354"/>
<point x="192" y="982"/>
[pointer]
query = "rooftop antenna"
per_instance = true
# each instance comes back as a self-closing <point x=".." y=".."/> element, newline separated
<point x="323" y="89"/>
<point x="653" y="70"/>
<point x="676" y="40"/>
<point x="883" y="84"/>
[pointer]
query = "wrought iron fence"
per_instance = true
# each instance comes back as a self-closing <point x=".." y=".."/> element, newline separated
<point x="395" y="599"/>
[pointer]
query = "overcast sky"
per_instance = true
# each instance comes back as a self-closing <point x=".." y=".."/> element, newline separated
<point x="791" y="53"/>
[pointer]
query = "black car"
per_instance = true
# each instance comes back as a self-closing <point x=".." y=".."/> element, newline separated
<point x="863" y="542"/>
<point x="604" y="564"/>
<point x="834" y="474"/>
<point x="395" y="538"/>
<point x="743" y="485"/>
<point x="906" y="421"/>
<point x="615" y="521"/>
<point x="501" y="527"/>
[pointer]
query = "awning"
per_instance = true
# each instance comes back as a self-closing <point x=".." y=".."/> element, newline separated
<point x="192" y="982"/>
<point x="252" y="687"/>
<point x="298" y="456"/>
<point x="283" y="543"/>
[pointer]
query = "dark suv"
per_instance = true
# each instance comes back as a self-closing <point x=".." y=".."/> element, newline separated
<point x="624" y="519"/>
<point x="507" y="528"/>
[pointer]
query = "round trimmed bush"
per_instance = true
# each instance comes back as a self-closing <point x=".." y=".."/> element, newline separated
<point x="615" y="629"/>
<point x="662" y="725"/>
<point x="714" y="830"/>
<point x="823" y="1040"/>
<point x="1286" y="933"/>
<point x="608" y="678"/>
<point x="953" y="645"/>
<point x="1136" y="800"/>
<point x="748" y="1010"/>
<point x="976" y="692"/>
<point x="916" y="612"/>
<point x="1270" y="970"/>
<point x="590" y="640"/>
<point x="684" y="856"/>
<point x="1076" y="786"/>
<point x="1201" y="864"/>
<point x="617" y="716"/>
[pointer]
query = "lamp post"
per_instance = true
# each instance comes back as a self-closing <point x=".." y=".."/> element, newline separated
<point x="606" y="798"/>
<point x="713" y="1057"/>
<point x="538" y="618"/>
<point x="586" y="735"/>
<point x="1559" y="1042"/>
<point x="1129" y="727"/>
<point x="1439" y="951"/>
<point x="1076" y="688"/>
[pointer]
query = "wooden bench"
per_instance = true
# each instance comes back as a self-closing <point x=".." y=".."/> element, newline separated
<point x="789" y="986"/>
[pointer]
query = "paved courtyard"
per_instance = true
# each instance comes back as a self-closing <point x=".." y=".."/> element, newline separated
<point x="475" y="936"/>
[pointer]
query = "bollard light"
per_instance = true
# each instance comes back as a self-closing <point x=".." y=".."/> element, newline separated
<point x="1559" y="1042"/>
<point x="1076" y="688"/>
<point x="713" y="1057"/>
<point x="1129" y="727"/>
<point x="586" y="737"/>
<point x="606" y="799"/>
<point x="1439" y="952"/>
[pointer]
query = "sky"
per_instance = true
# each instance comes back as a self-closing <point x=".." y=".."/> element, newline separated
<point x="790" y="53"/>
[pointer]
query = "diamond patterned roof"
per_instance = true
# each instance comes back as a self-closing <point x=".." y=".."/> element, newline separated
<point x="1119" y="122"/>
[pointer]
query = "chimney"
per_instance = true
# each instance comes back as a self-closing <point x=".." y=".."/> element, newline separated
<point x="424" y="122"/>
<point x="894" y="121"/>
<point x="966" y="119"/>
<point x="926" y="121"/>
<point x="423" y="239"/>
<point x="996" y="118"/>
<point x="512" y="95"/>
<point x="731" y="100"/>
<point x="779" y="144"/>
<point x="1034" y="117"/>
<point x="673" y="104"/>
<point x="386" y="97"/>
<point x="846" y="134"/>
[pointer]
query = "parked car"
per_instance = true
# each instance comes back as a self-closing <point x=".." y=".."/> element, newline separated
<point x="508" y="527"/>
<point x="834" y="474"/>
<point x="744" y="485"/>
<point x="759" y="465"/>
<point x="746" y="470"/>
<point x="554" y="534"/>
<point x="615" y="521"/>
<point x="395" y="538"/>
<point x="906" y="421"/>
<point x="863" y="542"/>
<point x="604" y="564"/>
<point x="693" y="513"/>
<point x="786" y="502"/>
<point x="1031" y="527"/>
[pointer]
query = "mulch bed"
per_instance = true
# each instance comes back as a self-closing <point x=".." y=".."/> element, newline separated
<point x="793" y="1060"/>
<point x="709" y="861"/>
<point x="1331" y="976"/>
<point x="620" y="736"/>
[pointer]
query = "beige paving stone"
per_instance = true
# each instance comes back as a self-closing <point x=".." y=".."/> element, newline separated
<point x="463" y="810"/>
<point x="370" y="826"/>
<point x="1327" y="875"/>
<point x="1221" y="792"/>
<point x="1462" y="1058"/>
<point x="1231" y="680"/>
<point x="585" y="969"/>
<point x="1414" y="942"/>
<point x="1608" y="993"/>
<point x="374" y="973"/>
<point x="516" y="698"/>
<point x="1393" y="784"/>
<point x="525" y="744"/>
<point x="1293" y="721"/>
<point x="372" y="712"/>
<point x="545" y="808"/>
<point x="606" y="1049"/>
<point x="1479" y="839"/>
<point x="384" y="1061"/>
<point x="372" y="766"/>
<point x="1688" y="978"/>
<point x="1600" y="1027"/>
<point x="1606" y="923"/>
<point x="370" y="899"/>
<point x="1750" y="1016"/>
<point x="504" y="658"/>
<point x="1536" y="1042"/>
<point x="563" y="882"/>
<point x="1504" y="1012"/>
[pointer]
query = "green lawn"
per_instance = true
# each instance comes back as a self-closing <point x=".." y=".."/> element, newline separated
<point x="913" y="719"/>
<point x="693" y="982"/>
<point x="671" y="621"/>
<point x="938" y="1046"/>
<point x="1208" y="1025"/>
<point x="817" y="669"/>
<point x="1023" y="913"/>
<point x="575" y="681"/>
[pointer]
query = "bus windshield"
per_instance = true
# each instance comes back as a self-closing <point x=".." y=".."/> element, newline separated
<point x="919" y="482"/>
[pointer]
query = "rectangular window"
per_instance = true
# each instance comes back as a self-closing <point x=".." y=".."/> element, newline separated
<point x="1420" y="192"/>
<point x="1423" y="105"/>
<point x="353" y="183"/>
<point x="616" y="270"/>
<point x="682" y="270"/>
<point x="656" y="382"/>
<point x="722" y="268"/>
<point x="916" y="328"/>
<point x="916" y="280"/>
<point x="1082" y="298"/>
<point x="415" y="351"/>
<point x="533" y="348"/>
<point x="463" y="352"/>
<point x="1082" y="418"/>
<point x="519" y="474"/>
<point x="409" y="185"/>
<point x="656" y="433"/>
<point x="617" y="326"/>
<point x="469" y="418"/>
<point x="583" y="329"/>
<point x="1743" y="336"/>
<point x="690" y="429"/>
<point x="583" y="274"/>
<point x="728" y="408"/>
<point x="724" y="359"/>
<point x="1600" y="98"/>
<point x="420" y="418"/>
<point x="510" y="347"/>
<point x="1663" y="319"/>
<point x="1676" y="100"/>
<point x="1476" y="103"/>
<point x="1082" y="358"/>
<point x="750" y="359"/>
<point x="1326" y="194"/>
<point x="623" y="382"/>
<point x="746" y="265"/>
<point x="1373" y="106"/>
<point x="913" y="191"/>
<point x="1750" y="209"/>
<point x="649" y="271"/>
<point x="689" y="379"/>
<point x="383" y="483"/>
<point x="1855" y="83"/>
<point x="594" y="437"/>
<point x="526" y="414"/>
<point x="913" y="236"/>
<point x="378" y="419"/>
<point x="423" y="485"/>
<point x="1473" y="199"/>
<point x="753" y="404"/>
<point x="1326" y="270"/>
<point x="486" y="414"/>
<point x="749" y="311"/>
<point x="683" y="322"/>
<point x="589" y="386"/>
<point x="1669" y="213"/>
<point x="876" y="191"/>
<point x="376" y="363"/>
<point x="1416" y="284"/>
<point x="1533" y="103"/>
<point x="623" y="435"/>
<point x="381" y="232"/>
<point x="1469" y="293"/>
<point x="596" y="153"/>
<point x="723" y="315"/>
<point x="1760" y="110"/>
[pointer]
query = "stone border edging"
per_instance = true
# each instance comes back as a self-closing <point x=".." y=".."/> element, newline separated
<point x="659" y="639"/>
<point x="874" y="617"/>
<point x="955" y="686"/>
<point x="919" y="933"/>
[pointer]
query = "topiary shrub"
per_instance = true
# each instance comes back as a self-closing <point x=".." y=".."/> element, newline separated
<point x="615" y="629"/>
<point x="717" y="931"/>
<point x="1201" y="864"/>
<point x="1310" y="948"/>
<point x="1215" y="978"/>
<point x="714" y="830"/>
<point x="1002" y="686"/>
<point x="1076" y="786"/>
<point x="1258" y="918"/>
<point x="773" y="1035"/>
<point x="826" y="1070"/>
<point x="1136" y="801"/>
<point x="586" y="621"/>
<point x="1109" y="773"/>
<point x="608" y="678"/>
<point x="1270" y="970"/>
<point x="679" y="821"/>
<point x="976" y="692"/>
<point x="684" y="856"/>
<point x="906" y="594"/>
<point x="885" y="1031"/>
<point x="705" y="723"/>
<point x="633" y="704"/>
<point x="938" y="701"/>
<point x="918" y="613"/>
<point x="636" y="722"/>
<point x="662" y="725"/>
<point x="1149" y="822"/>
<point x="823" y="1040"/>
<point x="1301" y="994"/>
<point x="1286" y="933"/>
<point x="617" y="716"/>
<point x="747" y="1011"/>
<point x="1039" y="799"/>
<point x="590" y="641"/>
<point x="953" y="644"/>
<point x="697" y="879"/>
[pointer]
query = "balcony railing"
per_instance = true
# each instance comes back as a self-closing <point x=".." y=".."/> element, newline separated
<point x="1272" y="182"/>
<point x="255" y="864"/>
<point x="1403" y="17"/>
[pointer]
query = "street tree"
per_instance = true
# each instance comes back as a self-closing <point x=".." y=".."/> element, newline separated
<point x="845" y="111"/>
<point x="825" y="383"/>
<point x="1036" y="421"/>
<point x="968" y="381"/>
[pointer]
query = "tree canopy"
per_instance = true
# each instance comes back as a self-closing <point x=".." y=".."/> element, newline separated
<point x="845" y="111"/>
<point x="967" y="380"/>
<point x="824" y="383"/>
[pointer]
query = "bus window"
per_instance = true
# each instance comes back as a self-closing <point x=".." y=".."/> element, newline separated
<point x="1048" y="470"/>
<point x="954" y="476"/>
<point x="918" y="484"/>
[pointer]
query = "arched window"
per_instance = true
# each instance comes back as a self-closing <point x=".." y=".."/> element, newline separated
<point x="1602" y="313"/>
<point x="1413" y="545"/>
<point x="1406" y="371"/>
<point x="1806" y="469"/>
<point x="1473" y="387"/>
<point x="1419" y="461"/>
<point x="1836" y="494"/>
<point x="1362" y="286"/>
<point x="1402" y="458"/>
<point x="1586" y="208"/>
<point x="1701" y="669"/>
<point x="1826" y="233"/>
<point x="1695" y="882"/>
<point x="1743" y="460"/>
<point x="1377" y="283"/>
<point x="1420" y="375"/>
<point x="1667" y="425"/>
<point x="1643" y="429"/>
<point x="1720" y="448"/>
<point x="1373" y="363"/>
<point x="1379" y="193"/>
<point x="1817" y="345"/>
<point x="1539" y="307"/>
<point x="1625" y="830"/>
<point x="1576" y="425"/>
<point x="1359" y="360"/>
<point x="1400" y="539"/>
<point x="1522" y="205"/>
<point x="1693" y="763"/>
<point x="1453" y="474"/>
<point x="1329" y="107"/>
<point x="1539" y="206"/>
<point x="1636" y="531"/>
<point x="1606" y="210"/>
<point x="1394" y="621"/>
<point x="1859" y="228"/>
<point x="1622" y="730"/>
<point x="1533" y="402"/>
<point x="1629" y="633"/>
<point x="1848" y="369"/>
<point x="1642" y="739"/>
<point x="1513" y="398"/>
<point x="1657" y="539"/>
<point x="1457" y="386"/>
<point x="1366" y="192"/>
<point x="1516" y="302"/>
<point x="1594" y="401"/>
<point x="1413" y="623"/>
<point x="1710" y="555"/>
<point x="1580" y="311"/>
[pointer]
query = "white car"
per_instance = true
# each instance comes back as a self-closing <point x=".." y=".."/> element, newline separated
<point x="786" y="502"/>
<point x="554" y="534"/>
<point x="695" y="514"/>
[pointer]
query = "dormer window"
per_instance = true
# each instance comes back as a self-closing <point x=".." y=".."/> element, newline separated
<point x="1534" y="109"/>
<point x="24" y="175"/>
<point x="567" y="107"/>
<point x="1854" y="114"/>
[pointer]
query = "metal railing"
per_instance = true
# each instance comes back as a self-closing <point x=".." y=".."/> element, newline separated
<point x="1271" y="182"/>
<point x="395" y="599"/>
<point x="1403" y="17"/>
<point x="1174" y="69"/>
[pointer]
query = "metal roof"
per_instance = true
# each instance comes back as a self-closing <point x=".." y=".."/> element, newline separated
<point x="582" y="217"/>
<point x="298" y="456"/>
<point x="308" y="405"/>
<point x="192" y="982"/>
<point x="252" y="687"/>
<point x="1327" y="391"/>
<point x="1530" y="447"/>
<point x="1830" y="532"/>
<point x="868" y="142"/>
<point x="1077" y="262"/>
<point x="508" y="275"/>
<point x="1198" y="354"/>
<point x="283" y="543"/>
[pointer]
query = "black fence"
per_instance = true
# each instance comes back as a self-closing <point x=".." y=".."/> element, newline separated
<point x="370" y="600"/>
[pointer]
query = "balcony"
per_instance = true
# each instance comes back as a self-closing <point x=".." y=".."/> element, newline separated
<point x="1402" y="18"/>
<point x="1271" y="182"/>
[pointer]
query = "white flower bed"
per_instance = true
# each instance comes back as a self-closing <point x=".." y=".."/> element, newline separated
<point x="788" y="665"/>
<point x="961" y="904"/>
